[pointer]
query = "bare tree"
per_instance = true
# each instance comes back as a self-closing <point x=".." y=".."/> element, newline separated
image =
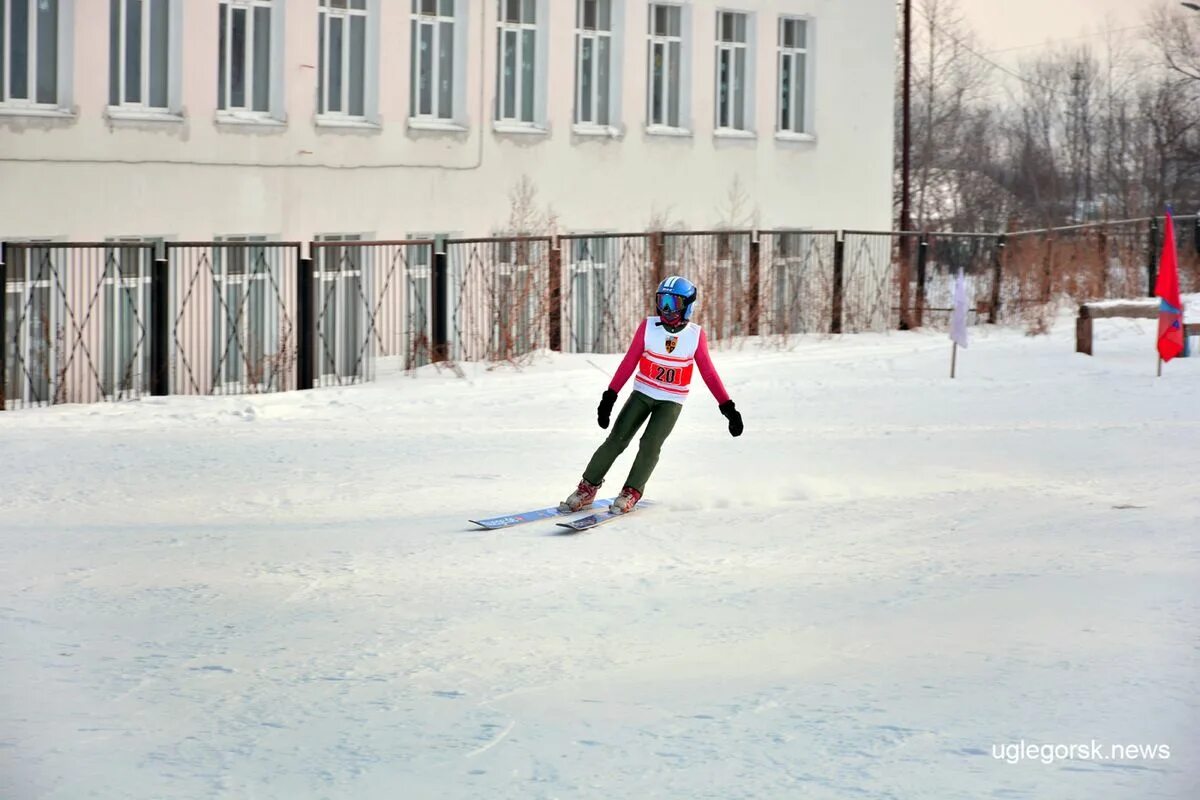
<point x="738" y="211"/>
<point x="1175" y="32"/>
<point x="948" y="82"/>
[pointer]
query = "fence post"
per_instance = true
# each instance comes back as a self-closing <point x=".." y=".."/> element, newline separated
<point x="306" y="323"/>
<point x="839" y="273"/>
<point x="160" y="357"/>
<point x="1152" y="258"/>
<point x="905" y="280"/>
<point x="1047" y="267"/>
<point x="997" y="276"/>
<point x="658" y="258"/>
<point x="752" y="328"/>
<point x="441" y="338"/>
<point x="555" y="283"/>
<point x="3" y="326"/>
<point x="922" y="260"/>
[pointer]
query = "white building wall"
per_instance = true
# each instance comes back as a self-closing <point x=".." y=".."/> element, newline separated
<point x="84" y="176"/>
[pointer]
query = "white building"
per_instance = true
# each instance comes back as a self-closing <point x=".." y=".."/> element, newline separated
<point x="195" y="119"/>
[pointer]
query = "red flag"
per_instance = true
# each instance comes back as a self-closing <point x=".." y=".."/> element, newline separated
<point x="1170" y="311"/>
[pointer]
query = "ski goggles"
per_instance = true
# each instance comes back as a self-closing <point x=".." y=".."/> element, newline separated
<point x="670" y="303"/>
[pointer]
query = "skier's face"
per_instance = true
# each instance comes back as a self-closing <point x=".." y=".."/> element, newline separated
<point x="670" y="307"/>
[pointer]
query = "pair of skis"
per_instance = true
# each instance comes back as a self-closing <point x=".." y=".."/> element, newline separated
<point x="586" y="523"/>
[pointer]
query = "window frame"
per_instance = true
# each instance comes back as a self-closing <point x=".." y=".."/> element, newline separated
<point x="806" y="132"/>
<point x="683" y="126"/>
<point x="337" y="282"/>
<point x="24" y="289"/>
<point x="509" y="269"/>
<point x="276" y="41"/>
<point x="136" y="288"/>
<point x="144" y="109"/>
<point x="613" y="35"/>
<point x="515" y="123"/>
<point x="455" y="115"/>
<point x="370" y="12"/>
<point x="743" y="100"/>
<point x="592" y="264"/>
<point x="267" y="326"/>
<point x="63" y="61"/>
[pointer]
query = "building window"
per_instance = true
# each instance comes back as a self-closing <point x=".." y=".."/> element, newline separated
<point x="666" y="65"/>
<point x="343" y="351"/>
<point x="593" y="62"/>
<point x="595" y="301"/>
<point x="793" y="76"/>
<point x="515" y="279"/>
<point x="139" y="35"/>
<point x="342" y="56"/>
<point x="29" y="34"/>
<point x="517" y="76"/>
<point x="246" y="321"/>
<point x="731" y="71"/>
<point x="244" y="59"/>
<point x="33" y="309"/>
<point x="125" y="362"/>
<point x="433" y="64"/>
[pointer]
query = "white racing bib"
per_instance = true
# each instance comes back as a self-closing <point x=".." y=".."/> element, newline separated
<point x="668" y="359"/>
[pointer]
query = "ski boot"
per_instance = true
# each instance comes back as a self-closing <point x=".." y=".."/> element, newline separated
<point x="625" y="501"/>
<point x="583" y="496"/>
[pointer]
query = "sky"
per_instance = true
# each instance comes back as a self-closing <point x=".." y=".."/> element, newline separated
<point x="1031" y="24"/>
<point x="1010" y="32"/>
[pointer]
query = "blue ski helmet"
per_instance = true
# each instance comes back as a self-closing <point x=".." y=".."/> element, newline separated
<point x="674" y="300"/>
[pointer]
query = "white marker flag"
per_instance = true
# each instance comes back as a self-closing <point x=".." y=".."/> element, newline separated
<point x="958" y="320"/>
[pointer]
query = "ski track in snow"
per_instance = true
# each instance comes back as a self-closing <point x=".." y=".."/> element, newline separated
<point x="889" y="573"/>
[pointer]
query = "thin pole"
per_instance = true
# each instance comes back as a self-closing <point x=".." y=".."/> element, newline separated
<point x="1160" y="367"/>
<point x="953" y="359"/>
<point x="905" y="211"/>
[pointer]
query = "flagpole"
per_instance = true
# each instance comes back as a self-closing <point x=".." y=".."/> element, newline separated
<point x="1160" y="366"/>
<point x="953" y="358"/>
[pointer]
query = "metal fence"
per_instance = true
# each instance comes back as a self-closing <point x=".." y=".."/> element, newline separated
<point x="944" y="255"/>
<point x="75" y="323"/>
<point x="1083" y="262"/>
<point x="372" y="302"/>
<point x="86" y="322"/>
<point x="872" y="266"/>
<point x="604" y="280"/>
<point x="1022" y="275"/>
<point x="498" y="300"/>
<point x="719" y="263"/>
<point x="796" y="282"/>
<point x="1187" y="245"/>
<point x="232" y="312"/>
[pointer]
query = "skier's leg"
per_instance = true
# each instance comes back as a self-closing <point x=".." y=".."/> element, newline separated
<point x="632" y="415"/>
<point x="662" y="420"/>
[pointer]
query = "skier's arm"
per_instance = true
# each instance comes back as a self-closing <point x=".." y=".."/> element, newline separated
<point x="630" y="362"/>
<point x="709" y="372"/>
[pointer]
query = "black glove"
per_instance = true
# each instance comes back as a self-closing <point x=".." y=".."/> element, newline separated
<point x="734" y="417"/>
<point x="604" y="410"/>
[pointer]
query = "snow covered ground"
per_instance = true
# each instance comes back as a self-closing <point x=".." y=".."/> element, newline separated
<point x="887" y="581"/>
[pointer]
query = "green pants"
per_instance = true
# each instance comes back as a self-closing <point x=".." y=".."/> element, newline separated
<point x="662" y="415"/>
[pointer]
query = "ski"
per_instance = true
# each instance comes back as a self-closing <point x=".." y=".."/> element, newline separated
<point x="596" y="520"/>
<point x="509" y="520"/>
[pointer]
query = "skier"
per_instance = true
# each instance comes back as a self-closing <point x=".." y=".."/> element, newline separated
<point x="664" y="350"/>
